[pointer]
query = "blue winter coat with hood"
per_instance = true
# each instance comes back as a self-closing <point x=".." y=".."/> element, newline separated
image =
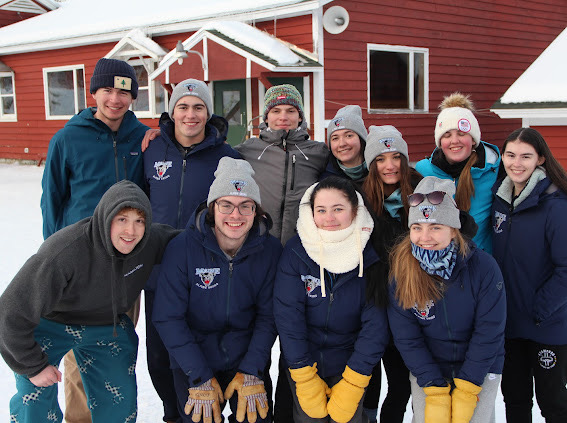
<point x="333" y="331"/>
<point x="529" y="243"/>
<point x="214" y="313"/>
<point x="177" y="182"/>
<point x="462" y="334"/>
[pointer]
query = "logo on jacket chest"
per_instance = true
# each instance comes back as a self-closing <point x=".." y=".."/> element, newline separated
<point x="425" y="312"/>
<point x="311" y="283"/>
<point x="161" y="169"/>
<point x="499" y="219"/>
<point x="207" y="277"/>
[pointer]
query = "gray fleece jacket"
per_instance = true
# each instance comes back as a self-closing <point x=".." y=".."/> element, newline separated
<point x="286" y="164"/>
<point x="78" y="277"/>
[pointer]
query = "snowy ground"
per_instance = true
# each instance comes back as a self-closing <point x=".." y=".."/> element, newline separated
<point x="21" y="231"/>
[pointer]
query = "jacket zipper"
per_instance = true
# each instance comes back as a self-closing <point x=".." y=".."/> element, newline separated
<point x="292" y="171"/>
<point x="331" y="298"/>
<point x="227" y="311"/>
<point x="125" y="167"/>
<point x="115" y="159"/>
<point x="284" y="188"/>
<point x="180" y="202"/>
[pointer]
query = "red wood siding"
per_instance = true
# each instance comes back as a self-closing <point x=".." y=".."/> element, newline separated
<point x="297" y="30"/>
<point x="8" y="17"/>
<point x="557" y="141"/>
<point x="476" y="47"/>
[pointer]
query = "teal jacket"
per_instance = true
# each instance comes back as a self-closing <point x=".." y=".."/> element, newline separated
<point x="84" y="159"/>
<point x="483" y="179"/>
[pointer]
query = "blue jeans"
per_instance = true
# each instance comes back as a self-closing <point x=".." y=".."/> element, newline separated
<point x="107" y="365"/>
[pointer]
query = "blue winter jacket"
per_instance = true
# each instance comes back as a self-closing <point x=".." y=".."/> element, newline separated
<point x="176" y="182"/>
<point x="483" y="180"/>
<point x="462" y="334"/>
<point x="530" y="247"/>
<point x="334" y="331"/>
<point x="84" y="159"/>
<point x="215" y="314"/>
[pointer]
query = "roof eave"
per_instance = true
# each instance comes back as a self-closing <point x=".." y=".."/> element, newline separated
<point x="531" y="113"/>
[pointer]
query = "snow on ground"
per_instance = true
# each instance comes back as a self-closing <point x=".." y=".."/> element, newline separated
<point x="21" y="231"/>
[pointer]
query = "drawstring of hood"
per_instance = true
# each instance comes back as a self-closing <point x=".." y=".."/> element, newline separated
<point x="264" y="150"/>
<point x="304" y="155"/>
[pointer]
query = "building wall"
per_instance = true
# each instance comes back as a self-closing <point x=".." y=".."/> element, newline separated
<point x="557" y="141"/>
<point x="476" y="47"/>
<point x="8" y="17"/>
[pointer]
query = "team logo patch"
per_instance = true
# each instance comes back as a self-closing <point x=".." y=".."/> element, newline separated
<point x="547" y="359"/>
<point x="207" y="277"/>
<point x="427" y="210"/>
<point x="281" y="97"/>
<point x="464" y="125"/>
<point x="238" y="185"/>
<point x="424" y="313"/>
<point x="499" y="219"/>
<point x="190" y="87"/>
<point x="123" y="83"/>
<point x="337" y="121"/>
<point x="311" y="283"/>
<point x="387" y="142"/>
<point x="161" y="169"/>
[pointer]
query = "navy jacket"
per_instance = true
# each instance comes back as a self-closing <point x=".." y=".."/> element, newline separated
<point x="462" y="334"/>
<point x="531" y="248"/>
<point x="177" y="182"/>
<point x="215" y="314"/>
<point x="337" y="330"/>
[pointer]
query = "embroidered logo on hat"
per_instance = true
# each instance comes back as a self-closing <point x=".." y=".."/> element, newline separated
<point x="161" y="168"/>
<point x="190" y="87"/>
<point x="207" y="276"/>
<point x="464" y="125"/>
<point x="337" y="121"/>
<point x="427" y="210"/>
<point x="387" y="142"/>
<point x="281" y="97"/>
<point x="238" y="185"/>
<point x="123" y="83"/>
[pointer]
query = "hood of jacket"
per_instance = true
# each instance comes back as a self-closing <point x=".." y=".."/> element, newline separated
<point x="277" y="137"/>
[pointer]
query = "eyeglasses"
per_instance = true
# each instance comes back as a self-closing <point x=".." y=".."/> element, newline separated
<point x="245" y="209"/>
<point x="434" y="197"/>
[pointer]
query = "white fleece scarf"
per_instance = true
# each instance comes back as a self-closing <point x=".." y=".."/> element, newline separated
<point x="337" y="251"/>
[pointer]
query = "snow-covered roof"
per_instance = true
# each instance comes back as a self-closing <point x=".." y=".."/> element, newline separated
<point x="544" y="83"/>
<point x="83" y="22"/>
<point x="136" y="44"/>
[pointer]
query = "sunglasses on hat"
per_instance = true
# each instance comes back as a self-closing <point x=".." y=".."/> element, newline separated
<point x="434" y="197"/>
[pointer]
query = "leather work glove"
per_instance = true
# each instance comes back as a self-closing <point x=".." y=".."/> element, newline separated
<point x="346" y="394"/>
<point x="437" y="404"/>
<point x="204" y="400"/>
<point x="251" y="396"/>
<point x="464" y="398"/>
<point x="311" y="391"/>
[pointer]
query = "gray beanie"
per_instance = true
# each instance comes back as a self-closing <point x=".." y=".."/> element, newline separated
<point x="348" y="117"/>
<point x="234" y="177"/>
<point x="192" y="87"/>
<point x="445" y="213"/>
<point x="384" y="139"/>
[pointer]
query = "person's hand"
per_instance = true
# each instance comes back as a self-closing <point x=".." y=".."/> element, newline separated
<point x="47" y="377"/>
<point x="150" y="135"/>
<point x="346" y="395"/>
<point x="464" y="398"/>
<point x="311" y="391"/>
<point x="251" y="396"/>
<point x="437" y="404"/>
<point x="204" y="401"/>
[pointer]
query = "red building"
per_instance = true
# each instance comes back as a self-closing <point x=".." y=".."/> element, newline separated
<point x="395" y="59"/>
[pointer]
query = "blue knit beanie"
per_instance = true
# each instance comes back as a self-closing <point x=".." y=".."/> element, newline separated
<point x="116" y="74"/>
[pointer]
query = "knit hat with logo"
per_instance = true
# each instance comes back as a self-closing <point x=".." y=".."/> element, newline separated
<point x="384" y="139"/>
<point x="283" y="94"/>
<point x="348" y="117"/>
<point x="457" y="113"/>
<point x="115" y="74"/>
<point x="234" y="177"/>
<point x="192" y="87"/>
<point x="445" y="213"/>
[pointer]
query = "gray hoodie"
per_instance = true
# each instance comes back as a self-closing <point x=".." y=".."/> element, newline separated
<point x="78" y="277"/>
<point x="286" y="164"/>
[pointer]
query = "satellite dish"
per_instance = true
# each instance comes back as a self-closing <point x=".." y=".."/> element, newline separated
<point x="335" y="19"/>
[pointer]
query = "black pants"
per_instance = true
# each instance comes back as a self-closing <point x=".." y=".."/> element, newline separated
<point x="283" y="404"/>
<point x="525" y="362"/>
<point x="399" y="389"/>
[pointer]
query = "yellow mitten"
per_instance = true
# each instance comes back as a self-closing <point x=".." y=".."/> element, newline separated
<point x="204" y="402"/>
<point x="464" y="399"/>
<point x="311" y="391"/>
<point x="437" y="404"/>
<point x="251" y="397"/>
<point x="346" y="394"/>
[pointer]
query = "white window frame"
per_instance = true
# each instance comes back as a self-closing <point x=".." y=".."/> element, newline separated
<point x="412" y="51"/>
<point x="73" y="68"/>
<point x="12" y="117"/>
<point x="152" y="113"/>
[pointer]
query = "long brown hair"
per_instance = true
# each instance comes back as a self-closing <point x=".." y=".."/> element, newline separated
<point x="413" y="284"/>
<point x="465" y="187"/>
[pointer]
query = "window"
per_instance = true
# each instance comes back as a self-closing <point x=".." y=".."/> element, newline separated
<point x="142" y="106"/>
<point x="398" y="78"/>
<point x="64" y="91"/>
<point x="7" y="97"/>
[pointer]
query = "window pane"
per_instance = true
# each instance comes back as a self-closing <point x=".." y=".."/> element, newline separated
<point x="389" y="80"/>
<point x="8" y="106"/>
<point x="141" y="75"/>
<point x="81" y="89"/>
<point x="160" y="98"/>
<point x="419" y="81"/>
<point x="61" y="93"/>
<point x="6" y="85"/>
<point x="231" y="107"/>
<point x="141" y="104"/>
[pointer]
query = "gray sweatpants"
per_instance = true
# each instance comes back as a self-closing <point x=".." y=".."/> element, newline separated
<point x="484" y="411"/>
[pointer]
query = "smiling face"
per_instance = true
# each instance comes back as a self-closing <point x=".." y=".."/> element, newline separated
<point x="283" y="116"/>
<point x="111" y="106"/>
<point x="332" y="210"/>
<point x="520" y="160"/>
<point x="127" y="230"/>
<point x="231" y="229"/>
<point x="431" y="236"/>
<point x="388" y="166"/>
<point x="190" y="118"/>
<point x="345" y="146"/>
<point x="456" y="145"/>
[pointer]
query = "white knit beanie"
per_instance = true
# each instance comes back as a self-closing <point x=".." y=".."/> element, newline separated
<point x="458" y="118"/>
